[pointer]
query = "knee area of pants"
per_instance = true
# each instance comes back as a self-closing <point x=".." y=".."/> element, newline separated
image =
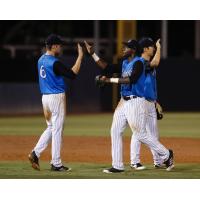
<point x="113" y="129"/>
<point x="115" y="132"/>
<point x="49" y="127"/>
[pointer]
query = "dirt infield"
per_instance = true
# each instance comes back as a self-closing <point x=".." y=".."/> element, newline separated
<point x="95" y="149"/>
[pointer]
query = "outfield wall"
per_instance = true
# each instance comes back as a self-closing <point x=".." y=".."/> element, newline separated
<point x="178" y="87"/>
<point x="18" y="96"/>
<point x="178" y="84"/>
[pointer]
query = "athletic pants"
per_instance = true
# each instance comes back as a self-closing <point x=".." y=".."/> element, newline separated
<point x="152" y="130"/>
<point x="132" y="112"/>
<point x="54" y="106"/>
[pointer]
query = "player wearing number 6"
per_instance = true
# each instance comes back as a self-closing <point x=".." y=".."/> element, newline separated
<point x="52" y="86"/>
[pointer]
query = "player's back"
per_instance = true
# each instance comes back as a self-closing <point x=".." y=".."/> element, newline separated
<point x="49" y="82"/>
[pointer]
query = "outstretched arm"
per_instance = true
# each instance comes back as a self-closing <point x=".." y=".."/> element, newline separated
<point x="101" y="63"/>
<point x="77" y="64"/>
<point x="107" y="69"/>
<point x="156" y="59"/>
<point x="61" y="70"/>
<point x="135" y="75"/>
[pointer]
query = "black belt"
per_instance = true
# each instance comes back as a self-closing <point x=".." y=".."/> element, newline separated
<point x="126" y="98"/>
<point x="149" y="100"/>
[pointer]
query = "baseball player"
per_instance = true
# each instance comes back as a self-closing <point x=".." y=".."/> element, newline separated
<point x="131" y="108"/>
<point x="52" y="86"/>
<point x="150" y="92"/>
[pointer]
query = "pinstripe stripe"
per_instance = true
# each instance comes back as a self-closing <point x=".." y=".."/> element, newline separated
<point x="56" y="104"/>
<point x="118" y="126"/>
<point x="152" y="129"/>
<point x="139" y="110"/>
<point x="135" y="147"/>
<point x="135" y="112"/>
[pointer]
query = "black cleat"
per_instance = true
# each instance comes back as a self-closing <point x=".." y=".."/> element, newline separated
<point x="170" y="161"/>
<point x="113" y="170"/>
<point x="34" y="160"/>
<point x="60" y="169"/>
<point x="159" y="166"/>
<point x="138" y="166"/>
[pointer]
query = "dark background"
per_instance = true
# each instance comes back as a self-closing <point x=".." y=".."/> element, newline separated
<point x="22" y="43"/>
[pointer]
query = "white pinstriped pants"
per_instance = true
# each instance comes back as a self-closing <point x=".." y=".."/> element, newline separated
<point x="152" y="130"/>
<point x="132" y="112"/>
<point x="54" y="106"/>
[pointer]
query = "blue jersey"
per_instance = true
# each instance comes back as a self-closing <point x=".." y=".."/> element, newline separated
<point x="136" y="89"/>
<point x="49" y="82"/>
<point x="150" y="88"/>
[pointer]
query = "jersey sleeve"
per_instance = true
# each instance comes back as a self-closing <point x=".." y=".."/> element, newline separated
<point x="61" y="70"/>
<point x="137" y="72"/>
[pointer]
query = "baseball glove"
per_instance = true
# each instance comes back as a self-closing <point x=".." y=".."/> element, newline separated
<point x="99" y="82"/>
<point x="159" y="111"/>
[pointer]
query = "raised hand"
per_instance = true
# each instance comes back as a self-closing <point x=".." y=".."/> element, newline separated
<point x="80" y="50"/>
<point x="89" y="48"/>
<point x="158" y="43"/>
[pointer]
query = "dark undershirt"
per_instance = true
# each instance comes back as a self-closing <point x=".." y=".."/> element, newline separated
<point x="117" y="68"/>
<point x="61" y="70"/>
<point x="137" y="72"/>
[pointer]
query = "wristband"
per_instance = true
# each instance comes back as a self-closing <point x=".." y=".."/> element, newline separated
<point x="114" y="80"/>
<point x="95" y="57"/>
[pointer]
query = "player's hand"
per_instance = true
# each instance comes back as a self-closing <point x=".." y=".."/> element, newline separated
<point x="80" y="50"/>
<point x="103" y="78"/>
<point x="159" y="111"/>
<point x="100" y="80"/>
<point x="89" y="48"/>
<point x="158" y="45"/>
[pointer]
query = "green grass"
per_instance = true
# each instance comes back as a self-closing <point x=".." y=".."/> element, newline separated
<point x="173" y="125"/>
<point x="180" y="125"/>
<point x="22" y="170"/>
